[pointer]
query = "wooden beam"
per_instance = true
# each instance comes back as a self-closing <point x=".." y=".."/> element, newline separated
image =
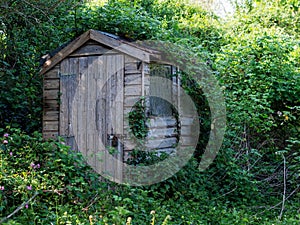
<point x="74" y="45"/>
<point x="135" y="50"/>
<point x="121" y="46"/>
<point x="90" y="50"/>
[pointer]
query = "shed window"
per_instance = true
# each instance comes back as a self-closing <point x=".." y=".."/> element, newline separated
<point x="158" y="105"/>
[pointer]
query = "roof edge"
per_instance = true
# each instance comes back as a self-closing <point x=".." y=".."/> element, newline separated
<point x="71" y="47"/>
<point x="131" y="49"/>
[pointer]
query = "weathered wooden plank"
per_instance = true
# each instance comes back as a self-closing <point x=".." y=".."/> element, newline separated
<point x="119" y="101"/>
<point x="130" y="60"/>
<point x="95" y="54"/>
<point x="51" y="105"/>
<point x="186" y="121"/>
<point x="185" y="130"/>
<point x="116" y="65"/>
<point x="129" y="144"/>
<point x="187" y="140"/>
<point x="95" y="76"/>
<point x="162" y="122"/>
<point x="119" y="95"/>
<point x="80" y="112"/>
<point x="131" y="66"/>
<point x="92" y="42"/>
<point x="143" y="79"/>
<point x="51" y="94"/>
<point x="128" y="72"/>
<point x="133" y="90"/>
<point x="51" y="84"/>
<point x="53" y="73"/>
<point x="110" y="110"/>
<point x="64" y="99"/>
<point x="100" y="115"/>
<point x="93" y="69"/>
<point x="130" y="101"/>
<point x="119" y="163"/>
<point x="102" y="95"/>
<point x="161" y="143"/>
<point x="50" y="125"/>
<point x="162" y="132"/>
<point x="51" y="115"/>
<point x="147" y="94"/>
<point x="121" y="46"/>
<point x="131" y="79"/>
<point x="73" y="85"/>
<point x="112" y="73"/>
<point x="68" y="86"/>
<point x="49" y="135"/>
<point x="127" y="131"/>
<point x="89" y="50"/>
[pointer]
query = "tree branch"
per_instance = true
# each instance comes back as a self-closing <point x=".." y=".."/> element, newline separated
<point x="284" y="187"/>
<point x="19" y="208"/>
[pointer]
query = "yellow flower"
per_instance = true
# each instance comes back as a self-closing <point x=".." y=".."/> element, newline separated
<point x="129" y="219"/>
<point x="91" y="219"/>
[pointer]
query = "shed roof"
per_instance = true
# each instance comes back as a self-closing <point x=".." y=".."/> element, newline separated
<point x="132" y="49"/>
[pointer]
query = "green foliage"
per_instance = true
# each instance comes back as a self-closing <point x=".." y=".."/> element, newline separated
<point x="59" y="179"/>
<point x="254" y="63"/>
<point x="137" y="120"/>
<point x="256" y="58"/>
<point x="25" y="29"/>
<point x="67" y="191"/>
<point x="259" y="71"/>
<point x="281" y="15"/>
<point x="122" y="18"/>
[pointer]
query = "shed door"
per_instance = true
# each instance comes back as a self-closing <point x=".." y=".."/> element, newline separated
<point x="91" y="115"/>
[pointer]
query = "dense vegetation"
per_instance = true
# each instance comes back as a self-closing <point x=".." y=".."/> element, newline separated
<point x="255" y="55"/>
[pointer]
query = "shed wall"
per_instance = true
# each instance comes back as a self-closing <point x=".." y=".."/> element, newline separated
<point x="51" y="103"/>
<point x="136" y="85"/>
<point x="84" y="72"/>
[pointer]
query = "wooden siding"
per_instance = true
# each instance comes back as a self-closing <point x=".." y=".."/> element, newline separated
<point x="163" y="128"/>
<point x="133" y="90"/>
<point x="69" y="70"/>
<point x="101" y="38"/>
<point x="51" y="104"/>
<point x="92" y="48"/>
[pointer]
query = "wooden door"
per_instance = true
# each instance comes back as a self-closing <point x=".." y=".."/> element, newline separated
<point x="91" y="115"/>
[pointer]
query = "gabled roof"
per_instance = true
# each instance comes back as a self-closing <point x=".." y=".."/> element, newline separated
<point x="137" y="51"/>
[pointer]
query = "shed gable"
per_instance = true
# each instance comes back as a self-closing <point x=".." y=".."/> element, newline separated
<point x="107" y="42"/>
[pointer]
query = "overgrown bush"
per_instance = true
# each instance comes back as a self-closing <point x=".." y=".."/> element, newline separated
<point x="255" y="56"/>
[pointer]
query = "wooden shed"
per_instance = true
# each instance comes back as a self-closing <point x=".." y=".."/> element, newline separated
<point x="92" y="84"/>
